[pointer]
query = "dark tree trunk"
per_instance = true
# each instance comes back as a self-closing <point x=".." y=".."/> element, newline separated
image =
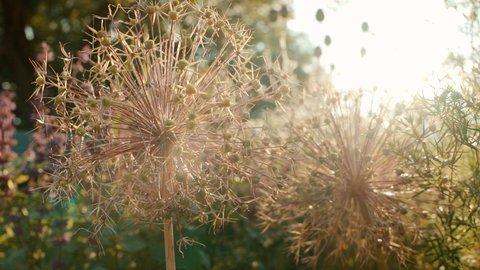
<point x="15" y="52"/>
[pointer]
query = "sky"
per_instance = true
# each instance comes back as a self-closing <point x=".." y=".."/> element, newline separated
<point x="406" y="45"/>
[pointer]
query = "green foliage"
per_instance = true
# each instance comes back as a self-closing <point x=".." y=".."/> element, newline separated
<point x="35" y="235"/>
<point x="441" y="158"/>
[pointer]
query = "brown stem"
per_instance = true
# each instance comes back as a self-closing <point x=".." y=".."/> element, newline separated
<point x="165" y="183"/>
<point x="169" y="244"/>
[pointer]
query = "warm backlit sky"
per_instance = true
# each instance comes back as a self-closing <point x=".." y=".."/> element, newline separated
<point x="407" y="42"/>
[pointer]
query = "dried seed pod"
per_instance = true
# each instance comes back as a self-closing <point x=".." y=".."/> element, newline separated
<point x="150" y="10"/>
<point x="40" y="80"/>
<point x="173" y="15"/>
<point x="190" y="89"/>
<point x="182" y="64"/>
<point x="149" y="44"/>
<point x="105" y="41"/>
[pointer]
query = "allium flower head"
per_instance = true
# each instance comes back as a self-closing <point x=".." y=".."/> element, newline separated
<point x="155" y="123"/>
<point x="336" y="185"/>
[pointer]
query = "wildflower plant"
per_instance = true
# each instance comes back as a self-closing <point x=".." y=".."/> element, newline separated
<point x="441" y="156"/>
<point x="155" y="125"/>
<point x="7" y="128"/>
<point x="335" y="188"/>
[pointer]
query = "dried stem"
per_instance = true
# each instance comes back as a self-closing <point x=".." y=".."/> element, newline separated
<point x="166" y="184"/>
<point x="169" y="244"/>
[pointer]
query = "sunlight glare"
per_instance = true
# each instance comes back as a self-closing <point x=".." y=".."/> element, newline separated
<point x="406" y="45"/>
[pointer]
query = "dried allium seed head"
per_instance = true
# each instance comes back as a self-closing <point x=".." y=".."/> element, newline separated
<point x="141" y="102"/>
<point x="334" y="184"/>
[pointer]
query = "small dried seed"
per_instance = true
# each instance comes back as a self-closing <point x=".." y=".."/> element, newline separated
<point x="113" y="69"/>
<point x="234" y="158"/>
<point x="148" y="44"/>
<point x="59" y="100"/>
<point x="182" y="64"/>
<point x="277" y="96"/>
<point x="92" y="102"/>
<point x="284" y="89"/>
<point x="173" y="15"/>
<point x="150" y="10"/>
<point x="81" y="131"/>
<point x="227" y="136"/>
<point x="225" y="103"/>
<point x="208" y="14"/>
<point x="226" y="148"/>
<point x="190" y="89"/>
<point x="219" y="24"/>
<point x="245" y="116"/>
<point x="191" y="124"/>
<point x="105" y="42"/>
<point x="133" y="21"/>
<point x="40" y="80"/>
<point x="86" y="115"/>
<point x="169" y="124"/>
<point x="106" y="102"/>
<point x="101" y="34"/>
<point x="61" y="90"/>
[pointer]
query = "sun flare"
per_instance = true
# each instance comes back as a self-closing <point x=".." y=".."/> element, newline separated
<point x="405" y="45"/>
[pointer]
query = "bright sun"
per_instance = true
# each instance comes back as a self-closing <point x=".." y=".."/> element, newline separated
<point x="406" y="44"/>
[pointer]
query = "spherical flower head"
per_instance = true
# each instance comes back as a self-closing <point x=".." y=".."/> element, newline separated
<point x="153" y="109"/>
<point x="336" y="187"/>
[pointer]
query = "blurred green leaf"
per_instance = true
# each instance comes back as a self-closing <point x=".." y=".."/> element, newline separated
<point x="133" y="244"/>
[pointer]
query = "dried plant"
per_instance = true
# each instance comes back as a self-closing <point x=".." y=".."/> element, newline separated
<point x="155" y="127"/>
<point x="336" y="188"/>
<point x="46" y="142"/>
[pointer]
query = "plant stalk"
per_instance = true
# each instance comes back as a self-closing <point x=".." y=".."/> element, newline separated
<point x="165" y="184"/>
<point x="169" y="244"/>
